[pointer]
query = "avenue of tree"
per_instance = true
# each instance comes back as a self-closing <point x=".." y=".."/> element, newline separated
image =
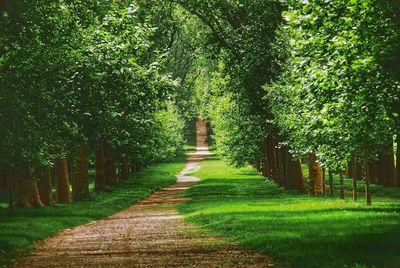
<point x="109" y="84"/>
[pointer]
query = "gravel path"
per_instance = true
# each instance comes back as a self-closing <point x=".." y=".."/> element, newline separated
<point x="151" y="233"/>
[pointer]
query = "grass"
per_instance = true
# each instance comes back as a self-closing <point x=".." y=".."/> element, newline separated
<point x="301" y="230"/>
<point x="19" y="228"/>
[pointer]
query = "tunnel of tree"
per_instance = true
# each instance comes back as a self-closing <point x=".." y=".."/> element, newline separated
<point x="92" y="92"/>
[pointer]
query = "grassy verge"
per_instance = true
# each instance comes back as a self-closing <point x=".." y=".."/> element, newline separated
<point x="301" y="230"/>
<point x="19" y="228"/>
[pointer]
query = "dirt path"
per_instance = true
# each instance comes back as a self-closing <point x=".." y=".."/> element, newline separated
<point x="148" y="234"/>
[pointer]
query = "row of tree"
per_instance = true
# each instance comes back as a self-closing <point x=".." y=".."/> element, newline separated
<point x="283" y="82"/>
<point x="293" y="82"/>
<point x="82" y="84"/>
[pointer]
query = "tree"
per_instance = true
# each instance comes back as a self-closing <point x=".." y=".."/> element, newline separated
<point x="331" y="99"/>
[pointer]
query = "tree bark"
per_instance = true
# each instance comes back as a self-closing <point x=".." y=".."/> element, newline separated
<point x="366" y="178"/>
<point x="390" y="179"/>
<point x="26" y="189"/>
<point x="10" y="187"/>
<point x="386" y="166"/>
<point x="315" y="176"/>
<point x="351" y="168"/>
<point x="257" y="166"/>
<point x="100" y="181"/>
<point x="109" y="168"/>
<point x="263" y="166"/>
<point x="323" y="182"/>
<point x="276" y="166"/>
<point x="341" y="180"/>
<point x="295" y="179"/>
<point x="397" y="182"/>
<point x="62" y="181"/>
<point x="354" y="190"/>
<point x="380" y="167"/>
<point x="354" y="167"/>
<point x="356" y="176"/>
<point x="3" y="178"/>
<point x="331" y="185"/>
<point x="80" y="188"/>
<point x="283" y="166"/>
<point x="133" y="167"/>
<point x="373" y="171"/>
<point x="45" y="187"/>
<point x="359" y="174"/>
<point x="269" y="152"/>
<point x="124" y="169"/>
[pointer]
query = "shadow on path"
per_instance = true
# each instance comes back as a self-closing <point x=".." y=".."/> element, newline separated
<point x="150" y="233"/>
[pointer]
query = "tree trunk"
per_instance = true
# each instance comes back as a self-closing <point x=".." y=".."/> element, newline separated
<point x="373" y="173"/>
<point x="3" y="178"/>
<point x="258" y="167"/>
<point x="269" y="152"/>
<point x="99" y="180"/>
<point x="109" y="169"/>
<point x="133" y="167"/>
<point x="45" y="187"/>
<point x="81" y="178"/>
<point x="356" y="176"/>
<point x="380" y="167"/>
<point x="359" y="169"/>
<point x="315" y="176"/>
<point x="62" y="181"/>
<point x="124" y="169"/>
<point x="341" y="180"/>
<point x="263" y="166"/>
<point x="10" y="187"/>
<point x="26" y="189"/>
<point x="354" y="190"/>
<point x="295" y="179"/>
<point x="366" y="179"/>
<point x="323" y="182"/>
<point x="331" y="185"/>
<point x="275" y="167"/>
<point x="114" y="167"/>
<point x="397" y="182"/>
<point x="386" y="169"/>
<point x="390" y="179"/>
<point x="283" y="157"/>
<point x="351" y="168"/>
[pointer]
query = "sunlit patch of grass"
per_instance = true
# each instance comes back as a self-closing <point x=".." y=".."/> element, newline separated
<point x="19" y="228"/>
<point x="302" y="230"/>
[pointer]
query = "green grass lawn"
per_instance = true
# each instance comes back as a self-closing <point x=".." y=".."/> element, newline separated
<point x="19" y="228"/>
<point x="298" y="229"/>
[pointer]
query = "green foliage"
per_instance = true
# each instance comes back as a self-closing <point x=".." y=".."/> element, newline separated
<point x="330" y="74"/>
<point x="236" y="129"/>
<point x="242" y="35"/>
<point x="336" y="97"/>
<point x="72" y="74"/>
<point x="184" y="38"/>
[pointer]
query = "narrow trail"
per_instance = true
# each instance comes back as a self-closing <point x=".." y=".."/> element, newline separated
<point x="150" y="233"/>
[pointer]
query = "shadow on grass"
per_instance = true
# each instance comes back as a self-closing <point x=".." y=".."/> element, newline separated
<point x="19" y="228"/>
<point x="302" y="230"/>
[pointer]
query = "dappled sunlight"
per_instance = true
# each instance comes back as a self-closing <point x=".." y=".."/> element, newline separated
<point x="304" y="230"/>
